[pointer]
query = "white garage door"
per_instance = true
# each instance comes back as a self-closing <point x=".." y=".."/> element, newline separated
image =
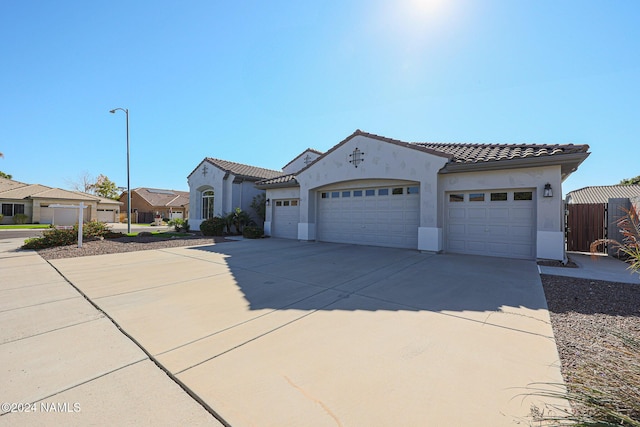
<point x="60" y="216"/>
<point x="176" y="215"/>
<point x="384" y="216"/>
<point x="495" y="223"/>
<point x="106" y="215"/>
<point x="286" y="215"/>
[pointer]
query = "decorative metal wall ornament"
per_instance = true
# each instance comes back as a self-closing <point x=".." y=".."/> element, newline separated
<point x="307" y="160"/>
<point x="204" y="170"/>
<point x="356" y="157"/>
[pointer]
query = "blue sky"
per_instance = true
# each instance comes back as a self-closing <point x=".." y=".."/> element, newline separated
<point x="258" y="82"/>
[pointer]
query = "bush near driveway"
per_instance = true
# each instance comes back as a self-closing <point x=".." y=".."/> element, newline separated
<point x="59" y="237"/>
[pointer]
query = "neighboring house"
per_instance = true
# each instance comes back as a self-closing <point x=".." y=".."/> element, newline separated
<point x="485" y="199"/>
<point x="602" y="194"/>
<point x="217" y="187"/>
<point x="148" y="202"/>
<point x="37" y="201"/>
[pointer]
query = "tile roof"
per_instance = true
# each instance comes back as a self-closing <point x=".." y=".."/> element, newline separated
<point x="602" y="193"/>
<point x="17" y="190"/>
<point x="465" y="156"/>
<point x="280" y="180"/>
<point x="241" y="170"/>
<point x="9" y="184"/>
<point x="162" y="197"/>
<point x="20" y="190"/>
<point x="475" y="153"/>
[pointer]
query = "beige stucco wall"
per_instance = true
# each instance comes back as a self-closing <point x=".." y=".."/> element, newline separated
<point x="549" y="214"/>
<point x="299" y="163"/>
<point x="227" y="194"/>
<point x="199" y="183"/>
<point x="381" y="160"/>
<point x="385" y="163"/>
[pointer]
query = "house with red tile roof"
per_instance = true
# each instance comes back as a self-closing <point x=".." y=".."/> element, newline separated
<point x="146" y="203"/>
<point x="502" y="200"/>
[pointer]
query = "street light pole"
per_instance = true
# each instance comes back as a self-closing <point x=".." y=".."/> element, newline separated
<point x="126" y="112"/>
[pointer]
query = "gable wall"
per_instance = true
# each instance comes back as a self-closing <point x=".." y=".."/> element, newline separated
<point x="198" y="183"/>
<point x="299" y="164"/>
<point x="382" y="160"/>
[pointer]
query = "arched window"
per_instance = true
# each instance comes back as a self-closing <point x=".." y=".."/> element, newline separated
<point x="207" y="204"/>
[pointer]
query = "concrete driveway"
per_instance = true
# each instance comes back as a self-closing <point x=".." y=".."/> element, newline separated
<point x="277" y="332"/>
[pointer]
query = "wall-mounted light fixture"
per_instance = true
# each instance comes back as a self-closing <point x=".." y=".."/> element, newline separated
<point x="268" y="202"/>
<point x="548" y="192"/>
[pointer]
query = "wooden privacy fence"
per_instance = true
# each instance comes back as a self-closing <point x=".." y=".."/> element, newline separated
<point x="586" y="223"/>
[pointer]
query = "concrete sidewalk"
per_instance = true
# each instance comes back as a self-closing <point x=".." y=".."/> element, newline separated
<point x="596" y="267"/>
<point x="63" y="362"/>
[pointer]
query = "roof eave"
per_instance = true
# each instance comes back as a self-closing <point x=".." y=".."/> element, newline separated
<point x="292" y="183"/>
<point x="568" y="162"/>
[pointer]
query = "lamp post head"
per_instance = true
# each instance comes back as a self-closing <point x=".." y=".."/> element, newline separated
<point x="112" y="111"/>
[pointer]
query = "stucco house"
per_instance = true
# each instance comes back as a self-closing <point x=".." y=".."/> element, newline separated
<point x="217" y="187"/>
<point x="147" y="202"/>
<point x="37" y="201"/>
<point x="501" y="200"/>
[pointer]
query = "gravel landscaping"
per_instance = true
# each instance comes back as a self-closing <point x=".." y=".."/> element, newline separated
<point x="594" y="322"/>
<point x="125" y="244"/>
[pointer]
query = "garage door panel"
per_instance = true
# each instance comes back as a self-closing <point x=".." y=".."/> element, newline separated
<point x="388" y="220"/>
<point x="285" y="220"/>
<point x="477" y="213"/>
<point x="499" y="214"/>
<point x="475" y="246"/>
<point x="457" y="229"/>
<point x="498" y="248"/>
<point x="457" y="213"/>
<point x="500" y="228"/>
<point x="476" y="229"/>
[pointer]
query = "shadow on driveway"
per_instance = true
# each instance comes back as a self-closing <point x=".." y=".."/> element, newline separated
<point x="273" y="274"/>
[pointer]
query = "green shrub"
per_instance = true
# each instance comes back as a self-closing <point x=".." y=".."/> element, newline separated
<point x="93" y="229"/>
<point x="251" y="232"/>
<point x="52" y="237"/>
<point x="212" y="226"/>
<point x="177" y="223"/>
<point x="1" y="216"/>
<point x="56" y="237"/>
<point x="20" y="219"/>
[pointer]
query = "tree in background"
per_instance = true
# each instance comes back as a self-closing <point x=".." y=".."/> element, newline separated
<point x="104" y="187"/>
<point x="631" y="181"/>
<point x="84" y="183"/>
<point x="2" y="174"/>
<point x="100" y="186"/>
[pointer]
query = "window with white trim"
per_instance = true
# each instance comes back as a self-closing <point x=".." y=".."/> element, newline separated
<point x="207" y="204"/>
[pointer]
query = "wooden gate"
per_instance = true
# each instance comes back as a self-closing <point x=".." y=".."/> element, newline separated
<point x="586" y="223"/>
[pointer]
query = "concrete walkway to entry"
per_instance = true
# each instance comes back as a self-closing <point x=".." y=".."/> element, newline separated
<point x="63" y="362"/>
<point x="282" y="333"/>
<point x="595" y="267"/>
